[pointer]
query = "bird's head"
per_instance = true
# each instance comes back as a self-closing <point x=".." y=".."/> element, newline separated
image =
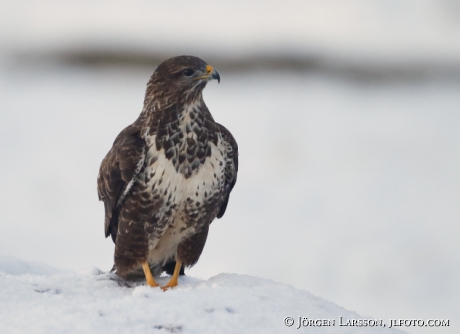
<point x="179" y="80"/>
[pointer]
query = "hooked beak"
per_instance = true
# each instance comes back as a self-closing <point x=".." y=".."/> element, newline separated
<point x="211" y="73"/>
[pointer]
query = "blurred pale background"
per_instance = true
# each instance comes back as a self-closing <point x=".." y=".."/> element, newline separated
<point x="347" y="114"/>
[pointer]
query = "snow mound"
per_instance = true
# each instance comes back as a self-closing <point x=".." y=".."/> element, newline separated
<point x="13" y="266"/>
<point x="47" y="300"/>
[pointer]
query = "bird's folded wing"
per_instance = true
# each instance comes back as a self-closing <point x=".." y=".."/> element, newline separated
<point x="231" y="169"/>
<point x="118" y="173"/>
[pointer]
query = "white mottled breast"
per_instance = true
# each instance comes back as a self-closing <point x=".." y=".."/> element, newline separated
<point x="204" y="182"/>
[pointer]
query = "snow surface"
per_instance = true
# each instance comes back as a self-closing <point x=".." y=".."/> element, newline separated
<point x="12" y="266"/>
<point x="47" y="300"/>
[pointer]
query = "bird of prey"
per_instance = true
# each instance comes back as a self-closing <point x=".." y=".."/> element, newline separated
<point x="168" y="175"/>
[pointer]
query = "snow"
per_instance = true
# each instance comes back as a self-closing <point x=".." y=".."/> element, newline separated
<point x="11" y="266"/>
<point x="47" y="300"/>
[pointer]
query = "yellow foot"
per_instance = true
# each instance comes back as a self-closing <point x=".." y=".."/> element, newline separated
<point x="148" y="275"/>
<point x="169" y="286"/>
<point x="173" y="281"/>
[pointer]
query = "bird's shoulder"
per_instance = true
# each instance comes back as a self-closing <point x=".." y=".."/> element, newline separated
<point x="121" y="162"/>
<point x="230" y="142"/>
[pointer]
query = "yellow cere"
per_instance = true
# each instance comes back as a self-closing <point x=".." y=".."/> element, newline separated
<point x="209" y="69"/>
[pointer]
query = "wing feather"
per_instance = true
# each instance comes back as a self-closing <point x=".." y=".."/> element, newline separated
<point x="118" y="173"/>
<point x="231" y="169"/>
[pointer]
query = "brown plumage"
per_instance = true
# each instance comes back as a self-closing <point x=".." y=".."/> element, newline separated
<point x="169" y="174"/>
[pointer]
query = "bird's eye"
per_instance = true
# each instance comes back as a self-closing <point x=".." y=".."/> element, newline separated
<point x="188" y="72"/>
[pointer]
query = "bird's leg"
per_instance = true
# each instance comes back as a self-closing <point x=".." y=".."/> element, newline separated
<point x="148" y="275"/>
<point x="173" y="281"/>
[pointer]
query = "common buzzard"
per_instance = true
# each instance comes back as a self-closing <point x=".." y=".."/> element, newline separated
<point x="168" y="175"/>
